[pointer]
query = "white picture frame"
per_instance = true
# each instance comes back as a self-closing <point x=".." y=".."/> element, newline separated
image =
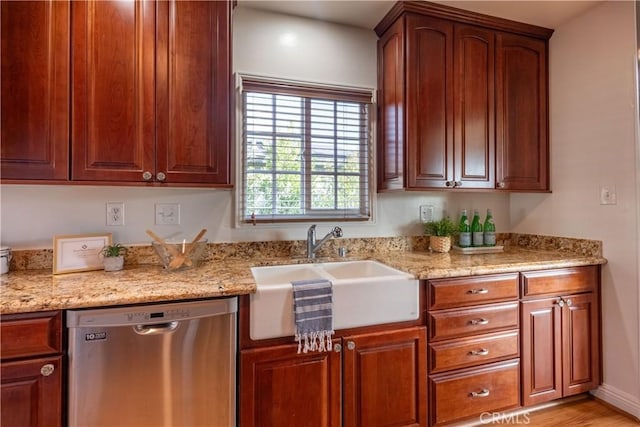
<point x="79" y="252"/>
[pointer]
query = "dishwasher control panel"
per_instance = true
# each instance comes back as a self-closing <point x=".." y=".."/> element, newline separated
<point x="150" y="314"/>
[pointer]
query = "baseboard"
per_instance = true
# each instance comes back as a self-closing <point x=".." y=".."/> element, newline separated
<point x="619" y="399"/>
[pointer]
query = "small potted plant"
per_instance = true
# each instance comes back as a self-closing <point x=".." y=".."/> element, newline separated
<point x="440" y="233"/>
<point x="113" y="257"/>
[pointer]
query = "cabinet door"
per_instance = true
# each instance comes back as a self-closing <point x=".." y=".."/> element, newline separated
<point x="521" y="113"/>
<point x="429" y="90"/>
<point x="581" y="350"/>
<point x="31" y="393"/>
<point x="541" y="351"/>
<point x="391" y="81"/>
<point x="34" y="139"/>
<point x="474" y="149"/>
<point x="113" y="90"/>
<point x="193" y="91"/>
<point x="279" y="387"/>
<point x="385" y="379"/>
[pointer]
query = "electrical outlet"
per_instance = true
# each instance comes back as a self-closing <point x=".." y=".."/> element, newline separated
<point x="608" y="195"/>
<point x="426" y="213"/>
<point x="115" y="213"/>
<point x="167" y="213"/>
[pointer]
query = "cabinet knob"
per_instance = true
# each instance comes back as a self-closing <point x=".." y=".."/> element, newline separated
<point x="337" y="348"/>
<point x="450" y="183"/>
<point x="482" y="393"/>
<point x="479" y="321"/>
<point x="351" y="345"/>
<point x="457" y="183"/>
<point x="560" y="302"/>
<point x="568" y="301"/>
<point x="161" y="176"/>
<point x="47" y="370"/>
<point x="481" y="352"/>
<point x="147" y="176"/>
<point x="478" y="291"/>
<point x="501" y="184"/>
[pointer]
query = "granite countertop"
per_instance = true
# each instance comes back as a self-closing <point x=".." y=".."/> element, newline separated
<point x="39" y="290"/>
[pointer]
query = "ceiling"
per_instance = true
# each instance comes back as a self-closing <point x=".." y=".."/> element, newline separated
<point x="367" y="13"/>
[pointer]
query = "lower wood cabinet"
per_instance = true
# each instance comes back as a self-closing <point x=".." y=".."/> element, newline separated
<point x="561" y="347"/>
<point x="31" y="392"/>
<point x="460" y="394"/>
<point x="368" y="380"/>
<point x="31" y="370"/>
<point x="474" y="346"/>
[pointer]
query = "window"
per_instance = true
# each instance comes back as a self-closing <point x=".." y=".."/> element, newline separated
<point x="306" y="152"/>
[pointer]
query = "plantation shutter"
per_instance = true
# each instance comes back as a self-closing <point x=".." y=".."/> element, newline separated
<point x="306" y="152"/>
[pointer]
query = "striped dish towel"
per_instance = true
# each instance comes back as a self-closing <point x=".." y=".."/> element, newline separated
<point x="313" y="314"/>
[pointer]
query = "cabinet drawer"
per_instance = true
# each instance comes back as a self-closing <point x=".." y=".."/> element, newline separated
<point x="30" y="334"/>
<point x="560" y="281"/>
<point x="450" y="293"/>
<point x="462" y="394"/>
<point x="466" y="352"/>
<point x="472" y="321"/>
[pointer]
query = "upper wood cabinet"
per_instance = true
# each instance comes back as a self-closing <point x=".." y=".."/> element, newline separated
<point x="149" y="99"/>
<point x="151" y="91"/>
<point x="454" y="106"/>
<point x="34" y="97"/>
<point x="522" y="149"/>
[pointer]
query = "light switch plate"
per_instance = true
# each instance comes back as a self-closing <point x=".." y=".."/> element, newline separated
<point x="426" y="213"/>
<point x="167" y="213"/>
<point x="608" y="195"/>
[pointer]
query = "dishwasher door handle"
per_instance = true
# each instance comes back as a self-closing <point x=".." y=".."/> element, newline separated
<point x="156" y="328"/>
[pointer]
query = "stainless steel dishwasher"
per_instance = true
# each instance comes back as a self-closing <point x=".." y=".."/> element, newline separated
<point x="153" y="365"/>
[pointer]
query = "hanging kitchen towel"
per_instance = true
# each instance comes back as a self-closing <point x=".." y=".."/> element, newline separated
<point x="313" y="314"/>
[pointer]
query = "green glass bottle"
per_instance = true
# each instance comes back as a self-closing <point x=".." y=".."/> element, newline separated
<point x="489" y="230"/>
<point x="477" y="239"/>
<point x="464" y="230"/>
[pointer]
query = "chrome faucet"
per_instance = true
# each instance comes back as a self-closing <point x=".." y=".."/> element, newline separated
<point x="312" y="246"/>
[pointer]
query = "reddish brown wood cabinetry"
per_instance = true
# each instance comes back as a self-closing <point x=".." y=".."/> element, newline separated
<point x="483" y="352"/>
<point x="279" y="387"/>
<point x="374" y="379"/>
<point x="150" y="92"/>
<point x="522" y="119"/>
<point x="560" y="336"/>
<point x="31" y="370"/>
<point x="474" y="349"/>
<point x="454" y="109"/>
<point x="34" y="96"/>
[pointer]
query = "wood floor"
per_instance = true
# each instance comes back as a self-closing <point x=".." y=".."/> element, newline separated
<point x="586" y="412"/>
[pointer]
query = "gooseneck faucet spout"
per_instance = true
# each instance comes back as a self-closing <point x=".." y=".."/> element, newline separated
<point x="313" y="246"/>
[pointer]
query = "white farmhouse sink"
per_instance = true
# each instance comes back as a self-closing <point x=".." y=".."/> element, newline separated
<point x="364" y="293"/>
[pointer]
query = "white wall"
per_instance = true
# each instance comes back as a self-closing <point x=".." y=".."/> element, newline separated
<point x="321" y="52"/>
<point x="593" y="120"/>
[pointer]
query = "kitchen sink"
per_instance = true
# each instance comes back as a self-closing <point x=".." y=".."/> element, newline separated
<point x="364" y="293"/>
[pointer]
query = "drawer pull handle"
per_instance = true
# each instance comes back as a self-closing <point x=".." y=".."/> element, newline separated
<point x="478" y="322"/>
<point x="478" y="291"/>
<point x="481" y="393"/>
<point x="481" y="352"/>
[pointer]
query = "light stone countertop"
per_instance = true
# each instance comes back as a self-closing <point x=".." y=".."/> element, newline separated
<point x="39" y="290"/>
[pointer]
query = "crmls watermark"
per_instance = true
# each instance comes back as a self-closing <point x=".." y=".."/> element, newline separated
<point x="504" y="418"/>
